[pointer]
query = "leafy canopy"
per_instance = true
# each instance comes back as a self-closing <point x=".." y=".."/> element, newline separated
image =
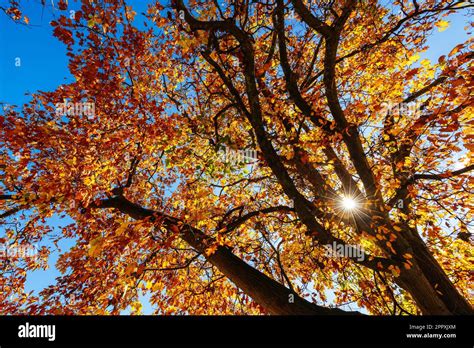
<point x="336" y="102"/>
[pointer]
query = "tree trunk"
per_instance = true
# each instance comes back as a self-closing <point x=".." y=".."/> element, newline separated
<point x="439" y="285"/>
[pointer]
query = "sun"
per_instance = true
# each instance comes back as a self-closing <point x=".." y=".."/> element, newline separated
<point x="349" y="203"/>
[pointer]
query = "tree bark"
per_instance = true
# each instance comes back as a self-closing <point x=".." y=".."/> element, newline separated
<point x="438" y="282"/>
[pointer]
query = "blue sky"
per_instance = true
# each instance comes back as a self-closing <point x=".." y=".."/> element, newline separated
<point x="43" y="66"/>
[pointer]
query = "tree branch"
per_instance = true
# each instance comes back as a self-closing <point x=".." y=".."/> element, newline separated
<point x="267" y="292"/>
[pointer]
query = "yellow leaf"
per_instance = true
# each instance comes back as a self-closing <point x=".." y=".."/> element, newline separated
<point x="211" y="250"/>
<point x="95" y="246"/>
<point x="136" y="307"/>
<point x="122" y="228"/>
<point x="413" y="58"/>
<point x="442" y="25"/>
<point x="426" y="63"/>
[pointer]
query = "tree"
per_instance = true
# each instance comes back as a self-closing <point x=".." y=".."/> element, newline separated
<point x="353" y="189"/>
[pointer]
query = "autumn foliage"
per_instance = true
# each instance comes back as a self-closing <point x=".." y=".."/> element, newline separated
<point x="337" y="102"/>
